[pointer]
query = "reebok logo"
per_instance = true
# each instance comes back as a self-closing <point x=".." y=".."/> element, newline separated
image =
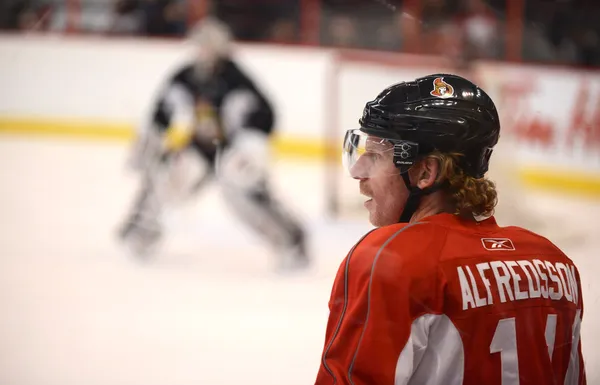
<point x="496" y="244"/>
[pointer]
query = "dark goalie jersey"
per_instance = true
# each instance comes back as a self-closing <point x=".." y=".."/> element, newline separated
<point x="223" y="104"/>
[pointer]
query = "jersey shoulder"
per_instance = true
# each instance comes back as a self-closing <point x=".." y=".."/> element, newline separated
<point x="406" y="246"/>
<point x="239" y="79"/>
<point x="184" y="71"/>
<point x="530" y="242"/>
<point x="184" y="76"/>
<point x="413" y="236"/>
<point x="524" y="233"/>
<point x="402" y="262"/>
<point x="234" y="73"/>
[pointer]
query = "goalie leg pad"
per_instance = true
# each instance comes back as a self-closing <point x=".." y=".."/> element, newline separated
<point x="142" y="230"/>
<point x="267" y="217"/>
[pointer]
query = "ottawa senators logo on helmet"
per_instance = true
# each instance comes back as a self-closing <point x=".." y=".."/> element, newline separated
<point x="441" y="89"/>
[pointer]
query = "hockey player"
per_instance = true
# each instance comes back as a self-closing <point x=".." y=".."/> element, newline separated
<point x="232" y="123"/>
<point x="438" y="293"/>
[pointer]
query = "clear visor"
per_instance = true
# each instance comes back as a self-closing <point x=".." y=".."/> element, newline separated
<point x="367" y="156"/>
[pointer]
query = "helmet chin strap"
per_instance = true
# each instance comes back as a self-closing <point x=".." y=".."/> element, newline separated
<point x="414" y="197"/>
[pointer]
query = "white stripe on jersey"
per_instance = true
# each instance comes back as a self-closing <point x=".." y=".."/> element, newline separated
<point x="443" y="363"/>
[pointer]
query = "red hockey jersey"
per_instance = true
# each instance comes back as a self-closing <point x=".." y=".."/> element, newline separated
<point x="449" y="301"/>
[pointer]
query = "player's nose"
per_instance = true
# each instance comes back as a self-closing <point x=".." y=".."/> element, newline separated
<point x="360" y="169"/>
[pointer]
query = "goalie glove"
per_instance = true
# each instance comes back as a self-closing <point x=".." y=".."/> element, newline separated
<point x="243" y="163"/>
<point x="154" y="144"/>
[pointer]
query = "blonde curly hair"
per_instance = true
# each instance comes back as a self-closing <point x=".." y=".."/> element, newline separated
<point x="468" y="195"/>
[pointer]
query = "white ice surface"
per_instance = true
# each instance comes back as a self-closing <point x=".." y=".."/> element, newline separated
<point x="76" y="309"/>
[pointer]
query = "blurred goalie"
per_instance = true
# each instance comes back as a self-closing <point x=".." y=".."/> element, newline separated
<point x="231" y="124"/>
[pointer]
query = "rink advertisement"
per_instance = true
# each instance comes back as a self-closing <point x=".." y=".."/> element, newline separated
<point x="102" y="88"/>
<point x="552" y="116"/>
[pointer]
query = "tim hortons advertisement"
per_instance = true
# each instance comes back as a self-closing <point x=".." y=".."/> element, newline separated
<point x="551" y="115"/>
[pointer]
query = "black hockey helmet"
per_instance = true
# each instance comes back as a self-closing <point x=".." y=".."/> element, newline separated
<point x="437" y="112"/>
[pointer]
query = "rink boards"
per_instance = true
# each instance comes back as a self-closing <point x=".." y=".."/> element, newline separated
<point x="103" y="89"/>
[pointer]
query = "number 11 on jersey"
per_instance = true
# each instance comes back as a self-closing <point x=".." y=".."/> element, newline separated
<point x="505" y="343"/>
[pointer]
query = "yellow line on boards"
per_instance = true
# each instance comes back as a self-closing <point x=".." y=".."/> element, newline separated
<point x="560" y="181"/>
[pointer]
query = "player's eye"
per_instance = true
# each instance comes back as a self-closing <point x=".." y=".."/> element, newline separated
<point x="372" y="156"/>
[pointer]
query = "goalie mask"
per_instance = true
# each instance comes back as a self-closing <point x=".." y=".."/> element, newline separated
<point x="213" y="39"/>
<point x="410" y="120"/>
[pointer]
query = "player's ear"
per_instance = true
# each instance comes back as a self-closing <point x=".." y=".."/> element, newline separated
<point x="427" y="172"/>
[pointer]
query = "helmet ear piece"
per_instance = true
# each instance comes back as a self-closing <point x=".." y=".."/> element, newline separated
<point x="405" y="153"/>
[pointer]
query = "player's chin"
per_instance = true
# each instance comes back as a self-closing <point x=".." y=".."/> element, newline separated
<point x="376" y="218"/>
<point x="369" y="205"/>
<point x="379" y="217"/>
